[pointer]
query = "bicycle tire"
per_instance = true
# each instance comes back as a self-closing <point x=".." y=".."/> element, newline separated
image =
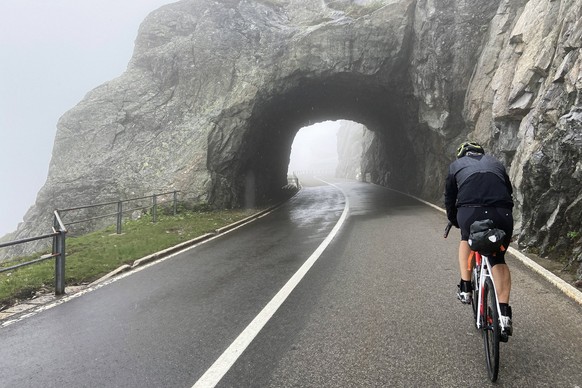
<point x="491" y="330"/>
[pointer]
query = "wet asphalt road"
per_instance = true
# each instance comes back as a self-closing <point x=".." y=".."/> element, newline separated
<point x="377" y="309"/>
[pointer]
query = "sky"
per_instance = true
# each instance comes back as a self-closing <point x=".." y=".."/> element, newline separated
<point x="52" y="53"/>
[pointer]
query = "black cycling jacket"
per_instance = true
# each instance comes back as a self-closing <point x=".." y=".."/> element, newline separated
<point x="477" y="181"/>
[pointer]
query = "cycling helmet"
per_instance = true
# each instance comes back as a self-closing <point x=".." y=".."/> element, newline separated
<point x="469" y="147"/>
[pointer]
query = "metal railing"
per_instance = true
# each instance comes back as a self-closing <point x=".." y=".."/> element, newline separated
<point x="60" y="230"/>
<point x="58" y="253"/>
<point x="120" y="210"/>
<point x="315" y="172"/>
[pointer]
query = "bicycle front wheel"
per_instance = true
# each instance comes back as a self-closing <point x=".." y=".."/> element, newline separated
<point x="491" y="329"/>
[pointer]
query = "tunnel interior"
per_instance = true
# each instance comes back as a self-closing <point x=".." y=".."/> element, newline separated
<point x="259" y="168"/>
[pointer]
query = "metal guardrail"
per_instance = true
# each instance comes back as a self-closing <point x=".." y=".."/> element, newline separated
<point x="58" y="253"/>
<point x="314" y="172"/>
<point x="120" y="209"/>
<point x="60" y="231"/>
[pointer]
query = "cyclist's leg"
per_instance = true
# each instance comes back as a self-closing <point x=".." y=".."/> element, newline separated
<point x="464" y="293"/>
<point x="503" y="219"/>
<point x="502" y="278"/>
<point x="465" y="217"/>
<point x="464" y="251"/>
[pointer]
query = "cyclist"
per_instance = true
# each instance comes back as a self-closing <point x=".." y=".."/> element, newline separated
<point x="477" y="188"/>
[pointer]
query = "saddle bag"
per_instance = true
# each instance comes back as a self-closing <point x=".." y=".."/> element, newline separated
<point x="485" y="238"/>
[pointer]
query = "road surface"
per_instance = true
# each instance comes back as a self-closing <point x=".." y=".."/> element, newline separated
<point x="377" y="308"/>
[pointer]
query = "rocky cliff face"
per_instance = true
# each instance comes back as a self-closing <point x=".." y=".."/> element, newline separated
<point x="353" y="143"/>
<point x="216" y="91"/>
<point x="524" y="103"/>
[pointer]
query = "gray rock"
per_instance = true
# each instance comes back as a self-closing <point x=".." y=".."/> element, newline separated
<point x="354" y="141"/>
<point x="216" y="90"/>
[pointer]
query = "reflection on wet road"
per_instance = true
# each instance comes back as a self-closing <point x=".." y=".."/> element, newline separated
<point x="316" y="208"/>
<point x="376" y="309"/>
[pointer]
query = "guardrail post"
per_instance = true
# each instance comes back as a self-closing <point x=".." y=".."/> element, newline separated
<point x="59" y="249"/>
<point x="175" y="202"/>
<point x="155" y="208"/>
<point x="119" y="214"/>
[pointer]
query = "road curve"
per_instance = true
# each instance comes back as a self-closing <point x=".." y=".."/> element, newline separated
<point x="376" y="309"/>
<point x="164" y="325"/>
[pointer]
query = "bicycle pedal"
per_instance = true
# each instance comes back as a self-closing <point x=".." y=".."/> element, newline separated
<point x="504" y="337"/>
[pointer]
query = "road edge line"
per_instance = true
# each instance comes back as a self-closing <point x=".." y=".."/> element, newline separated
<point x="558" y="282"/>
<point x="553" y="279"/>
<point x="184" y="246"/>
<point x="140" y="264"/>
<point x="222" y="365"/>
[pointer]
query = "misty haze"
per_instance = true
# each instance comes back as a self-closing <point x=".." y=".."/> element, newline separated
<point x="220" y="221"/>
<point x="315" y="148"/>
<point x="53" y="53"/>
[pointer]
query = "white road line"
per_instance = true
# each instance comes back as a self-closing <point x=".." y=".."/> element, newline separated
<point x="558" y="282"/>
<point x="217" y="370"/>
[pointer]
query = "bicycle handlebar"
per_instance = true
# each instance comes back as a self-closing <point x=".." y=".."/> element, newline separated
<point x="448" y="229"/>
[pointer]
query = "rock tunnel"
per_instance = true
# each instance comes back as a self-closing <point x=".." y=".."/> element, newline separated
<point x="216" y="91"/>
<point x="379" y="67"/>
<point x="265" y="142"/>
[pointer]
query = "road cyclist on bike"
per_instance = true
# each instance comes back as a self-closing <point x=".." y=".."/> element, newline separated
<point x="478" y="188"/>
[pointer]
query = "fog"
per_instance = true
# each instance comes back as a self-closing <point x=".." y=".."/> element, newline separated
<point x="314" y="148"/>
<point x="53" y="53"/>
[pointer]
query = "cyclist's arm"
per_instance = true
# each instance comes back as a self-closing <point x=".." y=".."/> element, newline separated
<point x="508" y="184"/>
<point x="451" y="191"/>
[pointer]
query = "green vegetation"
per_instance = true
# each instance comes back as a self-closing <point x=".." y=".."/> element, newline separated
<point x="93" y="255"/>
<point x="573" y="235"/>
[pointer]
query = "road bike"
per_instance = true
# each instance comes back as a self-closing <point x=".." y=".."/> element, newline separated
<point x="486" y="310"/>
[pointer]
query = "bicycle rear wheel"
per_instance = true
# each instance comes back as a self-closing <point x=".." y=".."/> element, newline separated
<point x="491" y="329"/>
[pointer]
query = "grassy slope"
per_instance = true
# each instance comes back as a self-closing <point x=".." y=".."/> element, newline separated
<point x="93" y="255"/>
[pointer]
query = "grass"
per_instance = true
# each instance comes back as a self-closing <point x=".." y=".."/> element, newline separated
<point x="93" y="255"/>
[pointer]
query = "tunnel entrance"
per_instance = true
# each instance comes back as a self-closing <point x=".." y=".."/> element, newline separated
<point x="334" y="149"/>
<point x="314" y="150"/>
<point x="250" y="146"/>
